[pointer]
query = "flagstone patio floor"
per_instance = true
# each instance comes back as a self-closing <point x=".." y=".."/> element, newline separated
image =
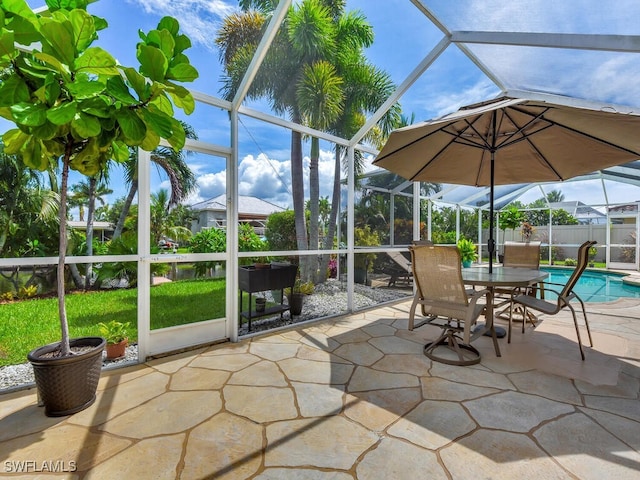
<point x="353" y="398"/>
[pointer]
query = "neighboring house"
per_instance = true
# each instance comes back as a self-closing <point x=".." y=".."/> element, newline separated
<point x="625" y="213"/>
<point x="251" y="210"/>
<point x="583" y="213"/>
<point x="102" y="231"/>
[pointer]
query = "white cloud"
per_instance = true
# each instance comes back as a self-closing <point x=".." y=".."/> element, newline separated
<point x="266" y="178"/>
<point x="211" y="184"/>
<point x="444" y="103"/>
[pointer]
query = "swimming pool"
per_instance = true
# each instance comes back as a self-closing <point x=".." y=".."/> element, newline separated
<point x="594" y="286"/>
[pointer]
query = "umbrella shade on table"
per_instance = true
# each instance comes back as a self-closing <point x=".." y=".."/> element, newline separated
<point x="508" y="141"/>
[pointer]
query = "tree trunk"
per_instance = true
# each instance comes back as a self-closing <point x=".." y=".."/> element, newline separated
<point x="297" y="188"/>
<point x="314" y="206"/>
<point x="335" y="204"/>
<point x="90" y="214"/>
<point x="78" y="281"/>
<point x="62" y="250"/>
<point x="125" y="209"/>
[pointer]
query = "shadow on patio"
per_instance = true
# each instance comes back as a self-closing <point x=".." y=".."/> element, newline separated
<point x="354" y="397"/>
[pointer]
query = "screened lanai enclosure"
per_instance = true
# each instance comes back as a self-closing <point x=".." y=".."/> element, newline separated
<point x="294" y="100"/>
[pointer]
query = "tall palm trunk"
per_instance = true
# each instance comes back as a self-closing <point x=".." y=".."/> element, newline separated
<point x="314" y="205"/>
<point x="297" y="187"/>
<point x="333" y="216"/>
<point x="93" y="182"/>
<point x="125" y="208"/>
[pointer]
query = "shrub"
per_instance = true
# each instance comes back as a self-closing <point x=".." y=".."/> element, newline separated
<point x="445" y="238"/>
<point x="403" y="231"/>
<point x="365" y="237"/>
<point x="333" y="268"/>
<point x="280" y="231"/>
<point x="27" y="292"/>
<point x="249" y="241"/>
<point x="6" y="297"/>
<point x="570" y="262"/>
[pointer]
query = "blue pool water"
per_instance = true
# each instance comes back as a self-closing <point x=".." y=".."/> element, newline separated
<point x="594" y="286"/>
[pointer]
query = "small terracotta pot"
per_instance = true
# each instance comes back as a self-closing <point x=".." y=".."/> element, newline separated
<point x="117" y="350"/>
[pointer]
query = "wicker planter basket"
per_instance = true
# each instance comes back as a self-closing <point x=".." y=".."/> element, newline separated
<point x="68" y="385"/>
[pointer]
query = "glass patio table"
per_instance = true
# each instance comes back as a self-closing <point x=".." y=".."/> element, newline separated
<point x="511" y="277"/>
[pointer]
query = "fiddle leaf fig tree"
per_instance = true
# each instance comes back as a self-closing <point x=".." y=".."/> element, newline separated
<point x="73" y="104"/>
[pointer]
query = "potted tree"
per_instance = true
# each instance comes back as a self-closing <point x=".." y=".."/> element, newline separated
<point x="117" y="337"/>
<point x="468" y="252"/>
<point x="363" y="262"/>
<point x="510" y="218"/>
<point x="74" y="104"/>
<point x="295" y="295"/>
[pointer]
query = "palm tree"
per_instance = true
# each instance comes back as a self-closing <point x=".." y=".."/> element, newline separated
<point x="308" y="74"/>
<point x="299" y="43"/>
<point x="161" y="221"/>
<point x="555" y="196"/>
<point x="174" y="165"/>
<point x="24" y="203"/>
<point x="321" y="96"/>
<point x="86" y="193"/>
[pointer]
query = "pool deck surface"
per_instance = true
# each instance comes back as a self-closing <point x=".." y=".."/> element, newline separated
<point x="353" y="397"/>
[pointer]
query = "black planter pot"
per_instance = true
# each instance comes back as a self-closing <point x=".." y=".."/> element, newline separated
<point x="360" y="275"/>
<point x="68" y="385"/>
<point x="295" y="303"/>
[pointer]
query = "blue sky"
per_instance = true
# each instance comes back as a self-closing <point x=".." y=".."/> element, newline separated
<point x="403" y="37"/>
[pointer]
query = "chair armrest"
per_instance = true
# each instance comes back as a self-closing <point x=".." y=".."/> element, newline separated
<point x="477" y="294"/>
<point x="517" y="293"/>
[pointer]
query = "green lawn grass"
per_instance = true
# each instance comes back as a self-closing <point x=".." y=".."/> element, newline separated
<point x="28" y="324"/>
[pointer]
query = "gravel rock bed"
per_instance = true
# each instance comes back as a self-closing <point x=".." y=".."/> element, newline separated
<point x="17" y="376"/>
<point x="328" y="299"/>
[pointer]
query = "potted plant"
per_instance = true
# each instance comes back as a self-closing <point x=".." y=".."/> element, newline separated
<point x="363" y="262"/>
<point x="261" y="303"/>
<point x="468" y="252"/>
<point x="117" y="337"/>
<point x="295" y="295"/>
<point x="73" y="104"/>
<point x="593" y="251"/>
<point x="527" y="231"/>
<point x="510" y="218"/>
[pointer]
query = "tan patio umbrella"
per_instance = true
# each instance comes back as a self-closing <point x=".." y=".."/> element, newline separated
<point x="507" y="141"/>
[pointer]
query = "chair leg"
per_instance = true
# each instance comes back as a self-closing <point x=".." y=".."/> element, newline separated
<point x="494" y="337"/>
<point x="586" y="322"/>
<point x="575" y="322"/>
<point x="412" y="314"/>
<point x="510" y="322"/>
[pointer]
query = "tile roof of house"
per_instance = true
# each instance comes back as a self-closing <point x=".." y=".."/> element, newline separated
<point x="246" y="205"/>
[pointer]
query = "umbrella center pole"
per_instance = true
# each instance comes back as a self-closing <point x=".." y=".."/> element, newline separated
<point x="491" y="243"/>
